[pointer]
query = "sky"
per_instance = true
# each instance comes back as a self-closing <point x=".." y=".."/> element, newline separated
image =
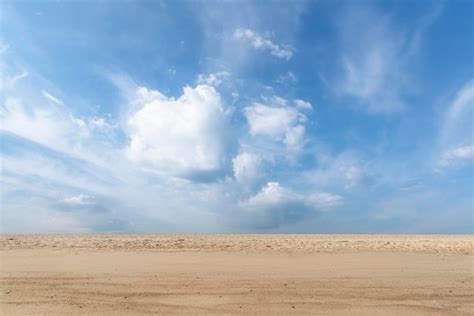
<point x="237" y="116"/>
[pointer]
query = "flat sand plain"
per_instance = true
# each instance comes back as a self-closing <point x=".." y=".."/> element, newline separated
<point x="236" y="274"/>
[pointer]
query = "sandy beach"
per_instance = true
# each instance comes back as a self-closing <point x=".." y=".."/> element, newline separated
<point x="237" y="274"/>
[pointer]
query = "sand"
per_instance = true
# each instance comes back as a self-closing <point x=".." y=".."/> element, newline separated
<point x="236" y="274"/>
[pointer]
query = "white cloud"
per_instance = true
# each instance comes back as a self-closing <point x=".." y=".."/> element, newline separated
<point x="270" y="121"/>
<point x="10" y="78"/>
<point x="457" y="157"/>
<point x="10" y="82"/>
<point x="213" y="79"/>
<point x="247" y="167"/>
<point x="80" y="199"/>
<point x="275" y="205"/>
<point x="277" y="100"/>
<point x="463" y="100"/>
<point x="370" y="80"/>
<point x="52" y="98"/>
<point x="258" y="42"/>
<point x="58" y="129"/>
<point x="372" y="60"/>
<point x="44" y="125"/>
<point x="275" y="197"/>
<point x="424" y="24"/>
<point x="294" y="136"/>
<point x="272" y="193"/>
<point x="303" y="104"/>
<point x="376" y="55"/>
<point x="180" y="136"/>
<point x="279" y="122"/>
<point x="100" y="123"/>
<point x="456" y="135"/>
<point x="344" y="170"/>
<point x="51" y="170"/>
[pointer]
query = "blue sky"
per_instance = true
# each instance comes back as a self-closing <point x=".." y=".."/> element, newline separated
<point x="203" y="116"/>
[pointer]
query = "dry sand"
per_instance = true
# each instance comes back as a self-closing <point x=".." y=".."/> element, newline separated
<point x="237" y="274"/>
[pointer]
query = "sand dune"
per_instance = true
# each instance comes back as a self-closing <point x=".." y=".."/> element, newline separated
<point x="237" y="274"/>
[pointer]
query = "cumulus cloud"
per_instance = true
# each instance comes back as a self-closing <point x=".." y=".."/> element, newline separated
<point x="273" y="194"/>
<point x="259" y="42"/>
<point x="270" y="121"/>
<point x="275" y="204"/>
<point x="181" y="136"/>
<point x="277" y="121"/>
<point x="247" y="167"/>
<point x="303" y="104"/>
<point x="294" y="136"/>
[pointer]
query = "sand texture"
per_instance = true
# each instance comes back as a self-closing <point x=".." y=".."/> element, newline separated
<point x="236" y="274"/>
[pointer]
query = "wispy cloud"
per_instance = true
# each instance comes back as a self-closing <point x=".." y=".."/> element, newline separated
<point x="259" y="42"/>
<point x="287" y="79"/>
<point x="463" y="101"/>
<point x="456" y="146"/>
<point x="46" y="125"/>
<point x="457" y="156"/>
<point x="376" y="57"/>
<point x="424" y="23"/>
<point x="344" y="170"/>
<point x="371" y="60"/>
<point x="17" y="78"/>
<point x="52" y="98"/>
